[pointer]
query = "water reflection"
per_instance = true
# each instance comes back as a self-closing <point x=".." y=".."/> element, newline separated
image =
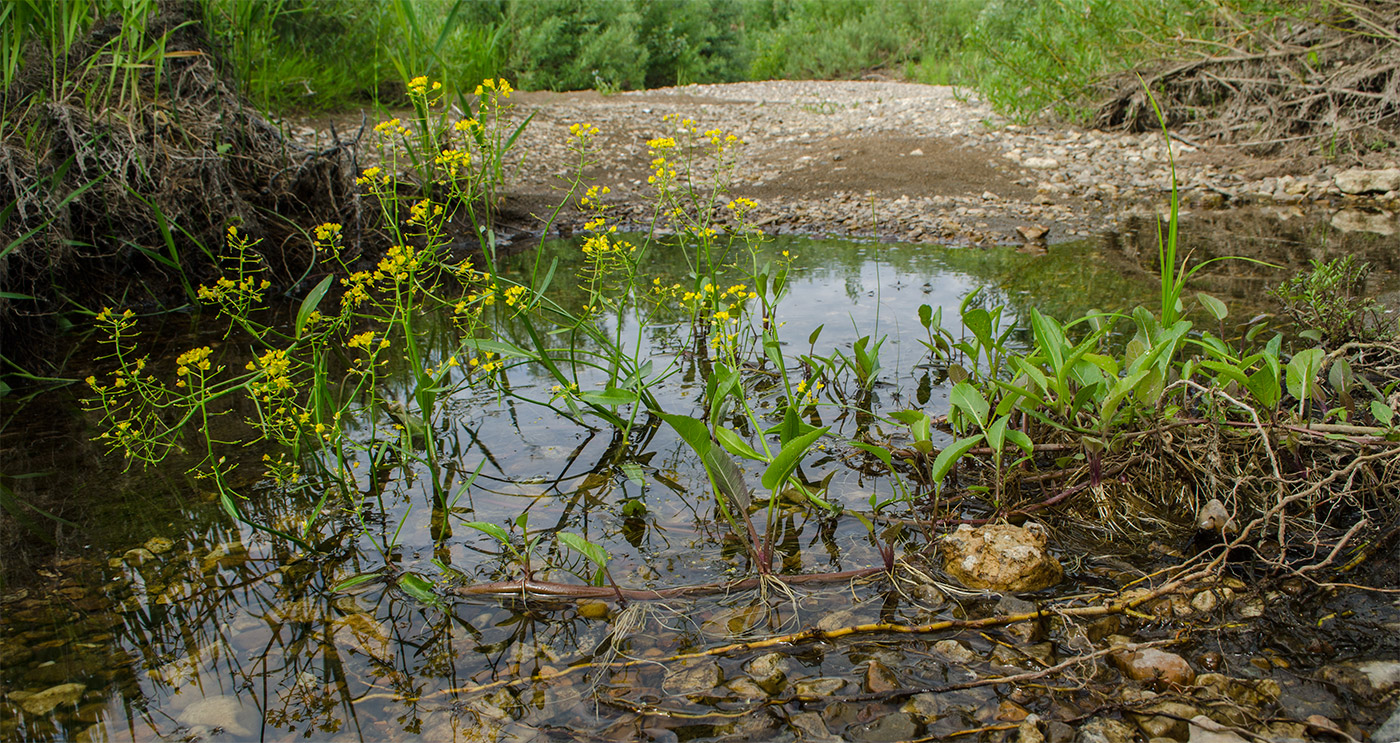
<point x="184" y="626"/>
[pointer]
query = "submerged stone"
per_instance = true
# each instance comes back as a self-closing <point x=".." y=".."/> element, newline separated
<point x="159" y="545"/>
<point x="1001" y="557"/>
<point x="222" y="712"/>
<point x="46" y="701"/>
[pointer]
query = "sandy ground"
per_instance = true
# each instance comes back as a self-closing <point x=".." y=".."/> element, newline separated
<point x="909" y="162"/>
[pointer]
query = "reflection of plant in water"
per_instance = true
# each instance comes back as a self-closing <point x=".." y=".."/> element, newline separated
<point x="352" y="391"/>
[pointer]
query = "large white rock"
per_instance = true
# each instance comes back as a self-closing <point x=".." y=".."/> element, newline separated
<point x="1360" y="180"/>
<point x="1001" y="557"/>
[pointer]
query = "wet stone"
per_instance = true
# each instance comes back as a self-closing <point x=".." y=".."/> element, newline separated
<point x="46" y="701"/>
<point x="1169" y="722"/>
<point x="593" y="609"/>
<point x="137" y="557"/>
<point x="702" y="679"/>
<point x="823" y="686"/>
<point x="13" y="653"/>
<point x="1104" y="730"/>
<point x="1206" y="730"/>
<point x="891" y="727"/>
<point x="955" y="651"/>
<point x="926" y="707"/>
<point x="768" y="671"/>
<point x="810" y="726"/>
<point x="879" y="678"/>
<point x="1029" y="732"/>
<point x="158" y="545"/>
<point x="745" y="688"/>
<point x="1151" y="664"/>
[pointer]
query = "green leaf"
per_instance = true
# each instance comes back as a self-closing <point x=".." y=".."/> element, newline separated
<point x="1302" y="369"/>
<point x="497" y="347"/>
<point x="1021" y="440"/>
<point x="925" y="315"/>
<point x="727" y="477"/>
<point x="311" y="302"/>
<point x="1215" y="307"/>
<point x="880" y="452"/>
<point x="787" y="459"/>
<point x="1383" y="413"/>
<point x="996" y="434"/>
<point x="970" y="401"/>
<point x="812" y="338"/>
<point x="419" y="588"/>
<point x="595" y="554"/>
<point x="950" y="456"/>
<point x="355" y="580"/>
<point x="492" y="530"/>
<point x="1263" y="385"/>
<point x="736" y="445"/>
<point x="692" y="431"/>
<point x="611" y="396"/>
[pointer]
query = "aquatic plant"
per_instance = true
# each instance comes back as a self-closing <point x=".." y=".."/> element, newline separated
<point x="351" y="395"/>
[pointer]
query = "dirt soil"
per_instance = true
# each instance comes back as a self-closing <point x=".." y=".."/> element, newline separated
<point x="933" y="163"/>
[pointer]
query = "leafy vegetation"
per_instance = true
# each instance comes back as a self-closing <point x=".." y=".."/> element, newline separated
<point x="350" y="399"/>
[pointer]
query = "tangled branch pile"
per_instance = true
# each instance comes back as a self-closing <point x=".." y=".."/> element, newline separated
<point x="120" y="184"/>
<point x="1324" y="74"/>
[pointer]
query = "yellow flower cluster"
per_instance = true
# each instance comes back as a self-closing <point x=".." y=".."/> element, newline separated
<point x="599" y="246"/>
<point x="275" y="369"/>
<point x="400" y="260"/>
<point x="371" y="177"/>
<point x="419" y="86"/>
<point x="809" y="394"/>
<point x="498" y="86"/>
<point x="582" y="132"/>
<point x="454" y="159"/>
<point x="392" y="126"/>
<point x="195" y="359"/>
<point x="420" y="212"/>
<point x="328" y="232"/>
<point x="471" y="126"/>
<point x="590" y="197"/>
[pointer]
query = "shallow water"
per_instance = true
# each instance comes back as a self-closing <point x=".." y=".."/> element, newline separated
<point x="175" y="623"/>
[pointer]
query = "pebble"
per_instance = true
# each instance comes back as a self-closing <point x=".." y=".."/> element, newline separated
<point x="1151" y="664"/>
<point x="43" y="702"/>
<point x="220" y="712"/>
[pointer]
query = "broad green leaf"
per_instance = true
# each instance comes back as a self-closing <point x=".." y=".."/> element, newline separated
<point x="925" y="315"/>
<point x="1383" y="413"/>
<point x="491" y="530"/>
<point x="1215" y="307"/>
<point x="736" y="445"/>
<point x="727" y="477"/>
<point x="497" y="347"/>
<point x="611" y="396"/>
<point x="996" y="434"/>
<point x="1021" y="440"/>
<point x="950" y="456"/>
<point x="968" y="399"/>
<point x="1302" y="369"/>
<point x="595" y="554"/>
<point x="692" y="431"/>
<point x="1263" y="385"/>
<point x="815" y="334"/>
<point x="419" y="588"/>
<point x="786" y="461"/>
<point x="880" y="452"/>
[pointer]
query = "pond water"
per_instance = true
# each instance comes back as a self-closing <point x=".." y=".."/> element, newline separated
<point x="156" y="617"/>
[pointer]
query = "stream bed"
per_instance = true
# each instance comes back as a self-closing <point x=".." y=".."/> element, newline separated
<point x="153" y="616"/>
